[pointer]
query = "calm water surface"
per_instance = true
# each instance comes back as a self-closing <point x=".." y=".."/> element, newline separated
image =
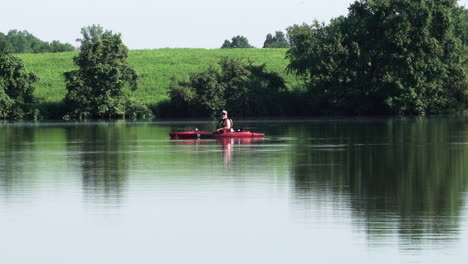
<point x="315" y="191"/>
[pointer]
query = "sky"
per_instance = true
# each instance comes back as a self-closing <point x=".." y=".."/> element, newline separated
<point x="152" y="24"/>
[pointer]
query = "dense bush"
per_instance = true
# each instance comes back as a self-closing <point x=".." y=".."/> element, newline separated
<point x="16" y="87"/>
<point x="242" y="88"/>
<point x="395" y="56"/>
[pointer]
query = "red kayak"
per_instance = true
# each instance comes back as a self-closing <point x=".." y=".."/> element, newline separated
<point x="220" y="141"/>
<point x="207" y="134"/>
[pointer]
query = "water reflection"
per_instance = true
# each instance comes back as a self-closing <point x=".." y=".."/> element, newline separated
<point x="15" y="146"/>
<point x="310" y="189"/>
<point x="101" y="153"/>
<point x="226" y="144"/>
<point x="404" y="172"/>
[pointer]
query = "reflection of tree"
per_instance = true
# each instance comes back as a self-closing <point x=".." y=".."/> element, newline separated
<point x="14" y="146"/>
<point x="103" y="159"/>
<point x="407" y="169"/>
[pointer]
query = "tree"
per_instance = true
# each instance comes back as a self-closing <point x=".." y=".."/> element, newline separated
<point x="97" y="88"/>
<point x="237" y="42"/>
<point x="16" y="86"/>
<point x="244" y="88"/>
<point x="91" y="34"/>
<point x="277" y="41"/>
<point x="55" y="47"/>
<point x="226" y="45"/>
<point x="395" y="56"/>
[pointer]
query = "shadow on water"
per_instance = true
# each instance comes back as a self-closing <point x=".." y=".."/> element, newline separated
<point x="398" y="177"/>
<point x="102" y="153"/>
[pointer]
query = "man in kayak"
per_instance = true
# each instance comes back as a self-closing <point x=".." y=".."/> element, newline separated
<point x="224" y="124"/>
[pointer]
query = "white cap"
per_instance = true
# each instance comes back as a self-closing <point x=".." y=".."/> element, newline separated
<point x="224" y="112"/>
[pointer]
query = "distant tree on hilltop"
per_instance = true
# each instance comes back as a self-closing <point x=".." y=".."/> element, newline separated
<point x="277" y="41"/>
<point x="25" y="42"/>
<point x="237" y="42"/>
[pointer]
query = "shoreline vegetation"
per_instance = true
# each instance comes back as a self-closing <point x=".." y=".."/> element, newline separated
<point x="156" y="69"/>
<point x="396" y="57"/>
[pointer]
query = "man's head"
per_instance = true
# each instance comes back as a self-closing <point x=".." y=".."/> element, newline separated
<point x="224" y="114"/>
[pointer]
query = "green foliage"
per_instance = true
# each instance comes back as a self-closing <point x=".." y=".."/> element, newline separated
<point x="97" y="88"/>
<point x="92" y="34"/>
<point x="242" y="87"/>
<point x="55" y="47"/>
<point x="395" y="56"/>
<point x="237" y="42"/>
<point x="137" y="110"/>
<point x="16" y="88"/>
<point x="277" y="41"/>
<point x="226" y="45"/>
<point x="25" y="42"/>
<point x="463" y="29"/>
<point x="155" y="68"/>
<point x="5" y="45"/>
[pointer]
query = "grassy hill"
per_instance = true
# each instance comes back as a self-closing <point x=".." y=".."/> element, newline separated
<point x="156" y="67"/>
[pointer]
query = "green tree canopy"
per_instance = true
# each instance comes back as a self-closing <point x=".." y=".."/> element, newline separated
<point x="16" y="86"/>
<point x="237" y="42"/>
<point x="97" y="88"/>
<point x="242" y="87"/>
<point x="462" y="30"/>
<point x="385" y="56"/>
<point x="277" y="41"/>
<point x="91" y="34"/>
<point x="56" y="46"/>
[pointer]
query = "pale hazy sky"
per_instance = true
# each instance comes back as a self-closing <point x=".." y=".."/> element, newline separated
<point x="147" y="24"/>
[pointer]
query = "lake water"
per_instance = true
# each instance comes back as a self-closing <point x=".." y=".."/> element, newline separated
<point x="312" y="191"/>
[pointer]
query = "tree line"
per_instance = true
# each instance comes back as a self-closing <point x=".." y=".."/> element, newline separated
<point x="279" y="40"/>
<point x="25" y="42"/>
<point x="21" y="41"/>
<point x="98" y="89"/>
<point x="384" y="57"/>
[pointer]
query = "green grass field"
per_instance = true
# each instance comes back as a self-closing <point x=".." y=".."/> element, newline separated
<point x="155" y="67"/>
